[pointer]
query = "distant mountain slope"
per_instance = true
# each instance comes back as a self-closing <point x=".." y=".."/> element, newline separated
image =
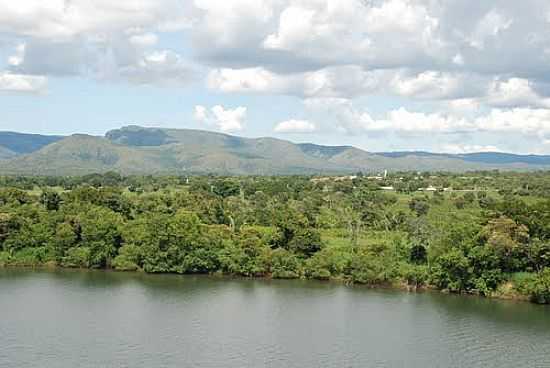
<point x="137" y="150"/>
<point x="497" y="158"/>
<point x="6" y="153"/>
<point x="20" y="143"/>
<point x="506" y="158"/>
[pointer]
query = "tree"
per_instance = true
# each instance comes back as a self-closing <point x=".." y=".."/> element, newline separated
<point x="537" y="286"/>
<point x="295" y="234"/>
<point x="452" y="271"/>
<point x="509" y="240"/>
<point x="100" y="231"/>
<point x="50" y="200"/>
<point x="419" y="206"/>
<point x="285" y="264"/>
<point x="246" y="255"/>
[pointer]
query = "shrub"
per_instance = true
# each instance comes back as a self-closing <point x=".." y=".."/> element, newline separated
<point x="77" y="257"/>
<point x="536" y="286"/>
<point x="285" y="264"/>
<point x="128" y="258"/>
<point x="413" y="275"/>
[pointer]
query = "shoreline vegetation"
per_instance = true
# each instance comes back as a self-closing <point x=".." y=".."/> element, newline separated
<point x="483" y="233"/>
<point x="505" y="292"/>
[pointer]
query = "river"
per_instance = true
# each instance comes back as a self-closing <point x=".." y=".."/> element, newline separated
<point x="106" y="319"/>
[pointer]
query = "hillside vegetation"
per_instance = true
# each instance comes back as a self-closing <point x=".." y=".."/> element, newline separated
<point x="136" y="150"/>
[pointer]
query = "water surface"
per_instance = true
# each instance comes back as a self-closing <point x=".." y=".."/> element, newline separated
<point x="107" y="319"/>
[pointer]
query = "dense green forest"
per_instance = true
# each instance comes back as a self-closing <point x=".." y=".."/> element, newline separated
<point x="486" y="233"/>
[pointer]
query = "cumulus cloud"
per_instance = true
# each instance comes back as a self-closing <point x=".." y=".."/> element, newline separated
<point x="118" y="59"/>
<point x="436" y="85"/>
<point x="20" y="83"/>
<point x="17" y="58"/>
<point x="98" y="39"/>
<point x="163" y="67"/>
<point x="424" y="49"/>
<point x="340" y="81"/>
<point x="295" y="126"/>
<point x="529" y="122"/>
<point x="226" y="120"/>
<point x="489" y="26"/>
<point x="515" y="92"/>
<point x="310" y="48"/>
<point x="469" y="148"/>
<point x="65" y="19"/>
<point x="144" y="39"/>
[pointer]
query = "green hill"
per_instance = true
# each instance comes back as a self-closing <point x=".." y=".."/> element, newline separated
<point x="137" y="150"/>
<point x="12" y="143"/>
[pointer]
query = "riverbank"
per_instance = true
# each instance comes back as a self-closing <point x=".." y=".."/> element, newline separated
<point x="506" y="291"/>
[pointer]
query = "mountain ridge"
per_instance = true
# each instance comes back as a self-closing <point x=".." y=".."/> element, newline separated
<point x="138" y="150"/>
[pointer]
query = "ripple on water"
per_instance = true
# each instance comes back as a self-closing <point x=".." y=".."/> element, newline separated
<point x="90" y="319"/>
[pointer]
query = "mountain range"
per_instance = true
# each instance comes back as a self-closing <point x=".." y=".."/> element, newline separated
<point x="138" y="150"/>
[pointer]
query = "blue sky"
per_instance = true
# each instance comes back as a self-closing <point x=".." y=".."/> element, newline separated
<point x="379" y="74"/>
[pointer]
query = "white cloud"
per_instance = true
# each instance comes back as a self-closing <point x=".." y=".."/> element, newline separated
<point x="295" y="126"/>
<point x="437" y="85"/>
<point x="295" y="23"/>
<point x="63" y="19"/>
<point x="249" y="80"/>
<point x="144" y="39"/>
<point x="515" y="92"/>
<point x="98" y="39"/>
<point x="489" y="26"/>
<point x="162" y="67"/>
<point x="524" y="121"/>
<point x="310" y="48"/>
<point x="527" y="122"/>
<point x="17" y="58"/>
<point x="462" y="106"/>
<point x="341" y="113"/>
<point x="201" y="113"/>
<point x="341" y="81"/>
<point x="224" y="28"/>
<point x="454" y="48"/>
<point x="116" y="59"/>
<point x="468" y="148"/>
<point x="22" y="83"/>
<point x="226" y="120"/>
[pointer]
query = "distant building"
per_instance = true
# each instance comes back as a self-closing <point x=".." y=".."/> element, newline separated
<point x="335" y="178"/>
<point x="428" y="189"/>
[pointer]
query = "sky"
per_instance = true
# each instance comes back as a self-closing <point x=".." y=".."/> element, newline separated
<point x="383" y="75"/>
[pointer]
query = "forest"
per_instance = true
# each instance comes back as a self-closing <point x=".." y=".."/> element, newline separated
<point x="484" y="233"/>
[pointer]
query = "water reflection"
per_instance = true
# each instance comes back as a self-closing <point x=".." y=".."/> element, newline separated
<point x="94" y="318"/>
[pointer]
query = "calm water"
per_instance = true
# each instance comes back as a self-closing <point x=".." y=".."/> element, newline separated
<point x="105" y="319"/>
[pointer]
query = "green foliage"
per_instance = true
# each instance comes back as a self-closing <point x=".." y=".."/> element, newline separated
<point x="100" y="233"/>
<point x="373" y="265"/>
<point x="128" y="259"/>
<point x="289" y="227"/>
<point x="537" y="286"/>
<point x="246" y="255"/>
<point x="295" y="234"/>
<point x="50" y="199"/>
<point x="419" y="206"/>
<point x="413" y="275"/>
<point x="330" y="262"/>
<point x="77" y="257"/>
<point x="452" y="271"/>
<point x="285" y="265"/>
